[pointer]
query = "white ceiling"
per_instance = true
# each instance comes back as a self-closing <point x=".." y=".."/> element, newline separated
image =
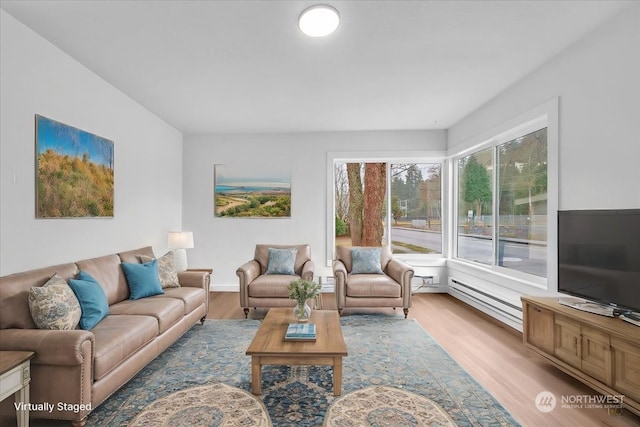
<point x="244" y="66"/>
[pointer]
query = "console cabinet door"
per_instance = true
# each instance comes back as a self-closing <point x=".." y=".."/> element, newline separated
<point x="626" y="378"/>
<point x="539" y="327"/>
<point x="596" y="354"/>
<point x="567" y="344"/>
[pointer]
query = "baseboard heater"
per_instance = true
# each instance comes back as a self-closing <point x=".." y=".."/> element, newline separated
<point x="506" y="311"/>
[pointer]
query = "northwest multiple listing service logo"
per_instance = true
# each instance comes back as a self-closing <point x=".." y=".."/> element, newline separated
<point x="547" y="402"/>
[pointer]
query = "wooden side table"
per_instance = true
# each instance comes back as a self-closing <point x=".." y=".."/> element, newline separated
<point x="14" y="379"/>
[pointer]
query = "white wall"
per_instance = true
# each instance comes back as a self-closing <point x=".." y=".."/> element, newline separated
<point x="225" y="243"/>
<point x="37" y="78"/>
<point x="598" y="83"/>
<point x="598" y="86"/>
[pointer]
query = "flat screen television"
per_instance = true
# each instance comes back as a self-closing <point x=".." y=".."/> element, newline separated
<point x="599" y="256"/>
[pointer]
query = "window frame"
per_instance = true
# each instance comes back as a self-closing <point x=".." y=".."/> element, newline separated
<point x="389" y="158"/>
<point x="546" y="115"/>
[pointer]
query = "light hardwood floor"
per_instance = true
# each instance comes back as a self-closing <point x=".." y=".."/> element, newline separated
<point x="490" y="351"/>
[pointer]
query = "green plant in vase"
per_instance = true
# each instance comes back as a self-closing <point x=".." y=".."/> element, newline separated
<point x="303" y="290"/>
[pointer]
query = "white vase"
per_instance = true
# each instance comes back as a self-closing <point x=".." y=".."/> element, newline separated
<point x="302" y="313"/>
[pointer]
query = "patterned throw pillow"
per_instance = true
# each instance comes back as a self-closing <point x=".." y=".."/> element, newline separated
<point x="366" y="261"/>
<point x="54" y="305"/>
<point x="166" y="269"/>
<point x="282" y="261"/>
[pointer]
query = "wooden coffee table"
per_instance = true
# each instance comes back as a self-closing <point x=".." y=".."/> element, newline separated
<point x="269" y="347"/>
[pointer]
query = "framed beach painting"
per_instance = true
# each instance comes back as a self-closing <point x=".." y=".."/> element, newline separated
<point x="243" y="191"/>
<point x="74" y="172"/>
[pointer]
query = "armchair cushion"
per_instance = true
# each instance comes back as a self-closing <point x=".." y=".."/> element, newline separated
<point x="343" y="253"/>
<point x="281" y="261"/>
<point x="271" y="286"/>
<point x="372" y="286"/>
<point x="366" y="261"/>
<point x="302" y="259"/>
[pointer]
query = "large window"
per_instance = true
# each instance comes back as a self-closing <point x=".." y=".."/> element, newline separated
<point x="507" y="177"/>
<point x="389" y="203"/>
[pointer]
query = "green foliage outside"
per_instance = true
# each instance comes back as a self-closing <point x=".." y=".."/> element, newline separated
<point x="408" y="248"/>
<point x="405" y="185"/>
<point x="341" y="227"/>
<point x="413" y="194"/>
<point x="73" y="187"/>
<point x="477" y="184"/>
<point x="396" y="211"/>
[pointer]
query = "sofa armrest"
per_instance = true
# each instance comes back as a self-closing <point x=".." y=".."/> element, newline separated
<point x="195" y="279"/>
<point x="402" y="273"/>
<point x="51" y="347"/>
<point x="340" y="274"/>
<point x="307" y="270"/>
<point x="247" y="273"/>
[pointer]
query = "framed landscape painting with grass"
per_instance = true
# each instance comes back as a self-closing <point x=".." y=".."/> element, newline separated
<point x="74" y="172"/>
<point x="251" y="192"/>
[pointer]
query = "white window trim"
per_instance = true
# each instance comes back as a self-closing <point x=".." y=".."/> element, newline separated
<point x="545" y="115"/>
<point x="382" y="157"/>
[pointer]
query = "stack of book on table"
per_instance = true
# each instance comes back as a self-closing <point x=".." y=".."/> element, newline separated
<point x="301" y="332"/>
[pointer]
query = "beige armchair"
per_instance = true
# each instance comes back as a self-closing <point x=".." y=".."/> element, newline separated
<point x="265" y="287"/>
<point x="390" y="287"/>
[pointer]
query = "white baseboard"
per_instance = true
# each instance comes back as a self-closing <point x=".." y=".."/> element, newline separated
<point x="218" y="287"/>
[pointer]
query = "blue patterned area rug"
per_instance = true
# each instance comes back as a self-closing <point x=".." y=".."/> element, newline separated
<point x="387" y="354"/>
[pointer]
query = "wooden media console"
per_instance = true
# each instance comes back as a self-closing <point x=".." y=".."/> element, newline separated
<point x="602" y="352"/>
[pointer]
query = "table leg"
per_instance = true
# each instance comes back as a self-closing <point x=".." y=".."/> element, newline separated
<point x="256" y="375"/>
<point x="337" y="376"/>
<point x="22" y="395"/>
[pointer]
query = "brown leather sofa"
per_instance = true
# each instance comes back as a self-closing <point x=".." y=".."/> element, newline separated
<point x="84" y="367"/>
<point x="392" y="288"/>
<point x="258" y="289"/>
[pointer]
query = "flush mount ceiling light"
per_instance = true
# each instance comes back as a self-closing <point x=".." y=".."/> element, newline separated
<point x="319" y="20"/>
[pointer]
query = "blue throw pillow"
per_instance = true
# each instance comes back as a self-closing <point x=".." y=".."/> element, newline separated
<point x="366" y="261"/>
<point x="93" y="300"/>
<point x="281" y="261"/>
<point x="143" y="279"/>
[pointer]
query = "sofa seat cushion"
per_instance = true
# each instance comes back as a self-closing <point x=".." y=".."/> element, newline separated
<point x="191" y="298"/>
<point x="372" y="286"/>
<point x="166" y="311"/>
<point x="271" y="286"/>
<point x="117" y="337"/>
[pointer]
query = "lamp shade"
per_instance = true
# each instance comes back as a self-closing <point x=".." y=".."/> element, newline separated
<point x="181" y="239"/>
